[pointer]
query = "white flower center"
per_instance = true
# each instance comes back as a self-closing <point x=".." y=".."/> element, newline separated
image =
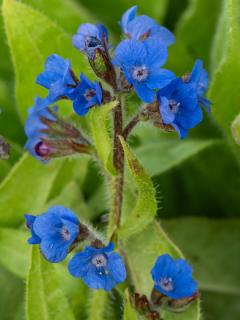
<point x="99" y="260"/>
<point x="89" y="94"/>
<point x="174" y="105"/>
<point x="166" y="284"/>
<point x="65" y="233"/>
<point x="140" y="73"/>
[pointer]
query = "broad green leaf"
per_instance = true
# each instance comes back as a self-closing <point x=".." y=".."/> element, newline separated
<point x="212" y="247"/>
<point x="99" y="120"/>
<point x="26" y="189"/>
<point x="142" y="251"/>
<point x="129" y="312"/>
<point x="68" y="14"/>
<point x="45" y="299"/>
<point x="160" y="152"/>
<point x="223" y="92"/>
<point x="236" y="129"/>
<point x="220" y="306"/>
<point x="97" y="305"/>
<point x="192" y="45"/>
<point x="14" y="251"/>
<point x="40" y="37"/>
<point x="72" y="197"/>
<point x="146" y="206"/>
<point x="11" y="297"/>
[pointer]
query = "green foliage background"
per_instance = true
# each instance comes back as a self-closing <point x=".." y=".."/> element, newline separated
<point x="197" y="180"/>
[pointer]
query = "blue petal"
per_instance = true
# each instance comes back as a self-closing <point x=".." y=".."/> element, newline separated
<point x="159" y="78"/>
<point x="157" y="53"/>
<point x="146" y="94"/>
<point x="180" y="130"/>
<point x="54" y="251"/>
<point x="189" y="119"/>
<point x="30" y="147"/>
<point x="140" y="26"/>
<point x="128" y="16"/>
<point x="167" y="115"/>
<point x="29" y="222"/>
<point x="130" y="53"/>
<point x="116" y="268"/>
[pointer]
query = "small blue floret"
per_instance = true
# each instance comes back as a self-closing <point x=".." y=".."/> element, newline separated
<point x="141" y="63"/>
<point x="178" y="106"/>
<point x="57" y="77"/>
<point x="88" y="94"/>
<point x="56" y="230"/>
<point x="34" y="126"/>
<point x="89" y="37"/>
<point x="173" y="278"/>
<point x="198" y="79"/>
<point x="143" y="27"/>
<point x="98" y="268"/>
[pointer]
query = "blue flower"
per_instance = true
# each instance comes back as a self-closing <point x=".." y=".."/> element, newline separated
<point x="141" y="63"/>
<point x="98" y="268"/>
<point x="143" y="27"/>
<point x="29" y="222"/>
<point x="198" y="79"/>
<point x="89" y="37"/>
<point x="58" y="78"/>
<point x="55" y="230"/>
<point x="88" y="94"/>
<point x="173" y="278"/>
<point x="178" y="106"/>
<point x="36" y="129"/>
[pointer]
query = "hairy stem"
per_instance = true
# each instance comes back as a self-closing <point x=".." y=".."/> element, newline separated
<point x="127" y="130"/>
<point x="118" y="161"/>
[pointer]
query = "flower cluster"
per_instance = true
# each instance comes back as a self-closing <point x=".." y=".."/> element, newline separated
<point x="137" y="64"/>
<point x="58" y="231"/>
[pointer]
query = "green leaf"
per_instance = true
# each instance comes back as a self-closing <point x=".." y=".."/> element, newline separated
<point x="14" y="251"/>
<point x="129" y="312"/>
<point x="99" y="120"/>
<point x="11" y="297"/>
<point x="68" y="14"/>
<point x="236" y="129"/>
<point x="44" y="297"/>
<point x="191" y="45"/>
<point x="97" y="305"/>
<point x="142" y="252"/>
<point x="146" y="206"/>
<point x="159" y="152"/>
<point x="212" y="247"/>
<point x="40" y="37"/>
<point x="26" y="189"/>
<point x="223" y="92"/>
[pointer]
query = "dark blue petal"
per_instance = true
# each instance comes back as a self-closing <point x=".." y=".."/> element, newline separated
<point x="157" y="53"/>
<point x="167" y="115"/>
<point x="29" y="222"/>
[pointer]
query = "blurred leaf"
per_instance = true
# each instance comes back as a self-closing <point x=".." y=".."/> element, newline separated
<point x="129" y="312"/>
<point x="146" y="206"/>
<point x="14" y="251"/>
<point x="160" y="152"/>
<point x="73" y="169"/>
<point x="11" y="297"/>
<point x="44" y="296"/>
<point x="98" y="120"/>
<point x="223" y="92"/>
<point x="142" y="251"/>
<point x="68" y="14"/>
<point x="220" y="306"/>
<point x="191" y="45"/>
<point x="40" y="37"/>
<point x="212" y="247"/>
<point x="236" y="129"/>
<point x="26" y="189"/>
<point x="97" y="305"/>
